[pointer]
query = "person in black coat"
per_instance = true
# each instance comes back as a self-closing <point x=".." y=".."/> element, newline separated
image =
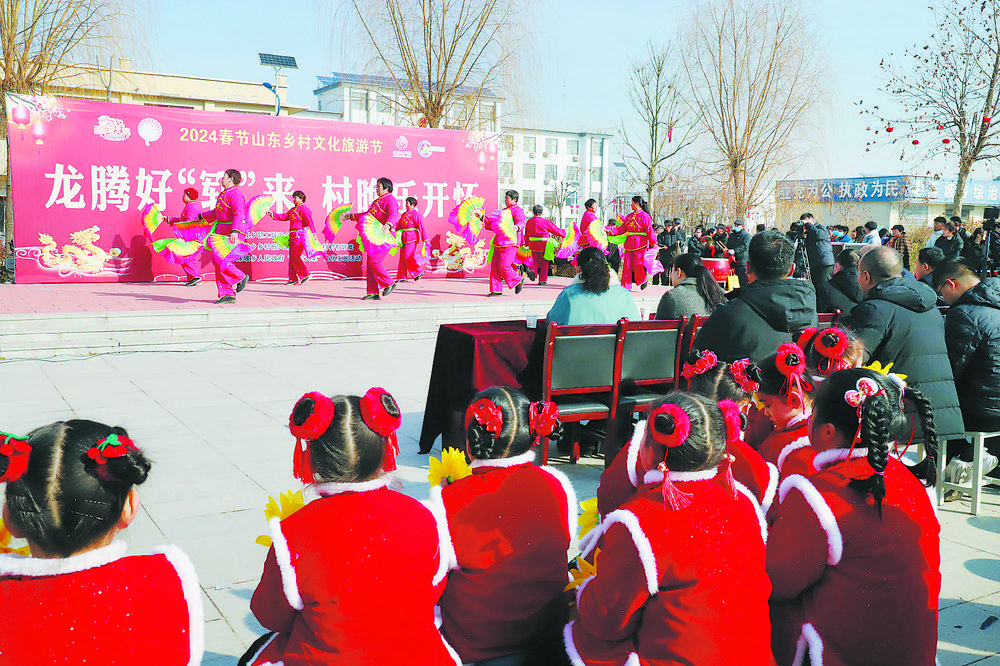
<point x="739" y="245"/>
<point x="796" y="234"/>
<point x="972" y="333"/>
<point x="950" y="242"/>
<point x="899" y="323"/>
<point x="819" y="250"/>
<point x="772" y="309"/>
<point x="841" y="292"/>
<point x="974" y="249"/>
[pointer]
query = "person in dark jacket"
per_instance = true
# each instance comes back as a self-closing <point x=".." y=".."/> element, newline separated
<point x="772" y="309"/>
<point x="739" y="246"/>
<point x="972" y="333"/>
<point x="951" y="242"/>
<point x="796" y="234"/>
<point x="841" y="292"/>
<point x="900" y="242"/>
<point x="974" y="249"/>
<point x="928" y="258"/>
<point x="819" y="250"/>
<point x="899" y="324"/>
<point x="694" y="243"/>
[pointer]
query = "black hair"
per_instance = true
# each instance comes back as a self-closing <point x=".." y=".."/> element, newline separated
<point x="235" y="176"/>
<point x="385" y="183"/>
<point x="706" y="442"/>
<point x="709" y="290"/>
<point x="952" y="268"/>
<point x="589" y="202"/>
<point x="348" y="450"/>
<point x="411" y="200"/>
<point x="594" y="270"/>
<point x="806" y="216"/>
<point x="932" y="256"/>
<point x="882" y="422"/>
<point x="848" y="258"/>
<point x="718" y="384"/>
<point x="65" y="502"/>
<point x="642" y="203"/>
<point x="537" y="209"/>
<point x="940" y="220"/>
<point x="899" y="227"/>
<point x="870" y="225"/>
<point x="956" y="220"/>
<point x="300" y="194"/>
<point x="817" y="364"/>
<point x="513" y="194"/>
<point x="771" y="255"/>
<point x="514" y="438"/>
<point x="761" y="227"/>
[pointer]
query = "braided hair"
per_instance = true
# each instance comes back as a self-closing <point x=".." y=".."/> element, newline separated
<point x="66" y="502"/>
<point x="514" y="436"/>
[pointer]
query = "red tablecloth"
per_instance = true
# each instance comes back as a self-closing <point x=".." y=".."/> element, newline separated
<point x="467" y="359"/>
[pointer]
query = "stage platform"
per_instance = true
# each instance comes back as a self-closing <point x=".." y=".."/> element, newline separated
<point x="65" y="320"/>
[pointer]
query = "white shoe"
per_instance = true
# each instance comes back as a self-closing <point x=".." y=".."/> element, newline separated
<point x="989" y="463"/>
<point x="957" y="471"/>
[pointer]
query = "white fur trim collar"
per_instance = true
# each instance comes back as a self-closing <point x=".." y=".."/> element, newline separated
<point x="801" y="418"/>
<point x="761" y="520"/>
<point x="449" y="560"/>
<point x="20" y="565"/>
<point x="831" y="456"/>
<point x="335" y="488"/>
<point x="656" y="476"/>
<point x="824" y="514"/>
<point x="772" y="487"/>
<point x="634" y="444"/>
<point x="800" y="443"/>
<point x="642" y="545"/>
<point x="283" y="555"/>
<point x="811" y="638"/>
<point x="570" y="644"/>
<point x="527" y="457"/>
<point x="572" y="508"/>
<point x="192" y="595"/>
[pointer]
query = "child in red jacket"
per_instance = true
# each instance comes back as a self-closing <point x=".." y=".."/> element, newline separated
<point x="854" y="553"/>
<point x="786" y="394"/>
<point x="511" y="523"/>
<point x="681" y="577"/>
<point x="353" y="576"/>
<point x="79" y="598"/>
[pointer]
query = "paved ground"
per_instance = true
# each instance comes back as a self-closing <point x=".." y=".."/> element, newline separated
<point x="214" y="422"/>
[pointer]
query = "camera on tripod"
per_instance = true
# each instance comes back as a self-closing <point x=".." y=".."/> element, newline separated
<point x="990" y="215"/>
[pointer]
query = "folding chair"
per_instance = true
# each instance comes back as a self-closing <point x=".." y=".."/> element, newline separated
<point x="974" y="487"/>
<point x="579" y="370"/>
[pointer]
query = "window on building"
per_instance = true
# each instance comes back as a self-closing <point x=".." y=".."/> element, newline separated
<point x="597" y="148"/>
<point x="507" y="142"/>
<point x="527" y="199"/>
<point x="573" y="146"/>
<point x="359" y="101"/>
<point x="529" y="171"/>
<point x="489" y="114"/>
<point x="597" y="174"/>
<point x="966" y="214"/>
<point x="529" y="144"/>
<point x="572" y="174"/>
<point x="573" y="198"/>
<point x="383" y="104"/>
<point x="506" y="170"/>
<point x="551" y="171"/>
<point x="550" y="199"/>
<point x="552" y="146"/>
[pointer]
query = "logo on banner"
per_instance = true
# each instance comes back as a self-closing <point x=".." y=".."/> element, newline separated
<point x="111" y="129"/>
<point x="425" y="149"/>
<point x="401" y="151"/>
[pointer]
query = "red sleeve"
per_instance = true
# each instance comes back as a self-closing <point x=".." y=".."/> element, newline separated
<point x="307" y="217"/>
<point x="269" y="604"/>
<point x="616" y="487"/>
<point x="797" y="549"/>
<point x="611" y="603"/>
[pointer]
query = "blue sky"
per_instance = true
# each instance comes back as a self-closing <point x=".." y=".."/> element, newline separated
<point x="577" y="73"/>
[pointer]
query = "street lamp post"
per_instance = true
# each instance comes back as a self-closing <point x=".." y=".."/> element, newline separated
<point x="277" y="99"/>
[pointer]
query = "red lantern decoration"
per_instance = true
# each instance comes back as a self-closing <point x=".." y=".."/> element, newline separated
<point x="946" y="141"/>
<point x="21" y="115"/>
<point x="915" y="142"/>
<point x="986" y="120"/>
<point x="888" y="129"/>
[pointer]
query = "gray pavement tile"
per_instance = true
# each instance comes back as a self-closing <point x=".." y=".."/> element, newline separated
<point x="964" y="574"/>
<point x="234" y="603"/>
<point x="222" y="646"/>
<point x="960" y="638"/>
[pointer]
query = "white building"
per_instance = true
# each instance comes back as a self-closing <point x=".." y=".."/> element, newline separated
<point x="545" y="166"/>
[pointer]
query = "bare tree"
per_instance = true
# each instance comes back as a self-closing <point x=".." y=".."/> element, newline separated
<point x="946" y="94"/>
<point x="654" y="96"/>
<point x="42" y="40"/>
<point x="443" y="54"/>
<point x="750" y="77"/>
<point x="561" y="191"/>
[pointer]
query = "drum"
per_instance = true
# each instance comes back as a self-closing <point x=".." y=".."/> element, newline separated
<point x="719" y="268"/>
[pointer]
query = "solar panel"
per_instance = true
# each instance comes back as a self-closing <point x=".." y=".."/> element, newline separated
<point x="272" y="60"/>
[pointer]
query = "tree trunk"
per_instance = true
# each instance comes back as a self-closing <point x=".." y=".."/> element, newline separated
<point x="964" y="166"/>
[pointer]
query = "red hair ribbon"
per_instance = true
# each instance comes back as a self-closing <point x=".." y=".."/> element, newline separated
<point x="543" y="418"/>
<point x="381" y="422"/>
<point x="112" y="446"/>
<point x="672" y="495"/>
<point x="486" y="413"/>
<point x="740" y="372"/>
<point x="832" y="354"/>
<point x="706" y="361"/>
<point x="734" y="432"/>
<point x="314" y="426"/>
<point x="791" y="363"/>
<point x="16" y="451"/>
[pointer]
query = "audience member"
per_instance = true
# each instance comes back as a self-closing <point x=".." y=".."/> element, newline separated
<point x="899" y="323"/>
<point x="939" y="223"/>
<point x="950" y="242"/>
<point x="928" y="259"/>
<point x="871" y="236"/>
<point x="974" y="249"/>
<point x="595" y="297"/>
<point x="841" y="292"/>
<point x="819" y="250"/>
<point x="695" y="291"/>
<point x="739" y="245"/>
<point x="771" y="309"/>
<point x="900" y="242"/>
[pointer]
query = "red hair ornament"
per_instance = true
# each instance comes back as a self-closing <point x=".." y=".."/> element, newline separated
<point x="790" y="362"/>
<point x="314" y="426"/>
<point x="864" y="388"/>
<point x="112" y="446"/>
<point x="381" y="422"/>
<point x="486" y="414"/>
<point x="832" y="353"/>
<point x="680" y="429"/>
<point x="734" y="432"/>
<point x="740" y="370"/>
<point x="706" y="361"/>
<point x="543" y="418"/>
<point x="16" y="451"/>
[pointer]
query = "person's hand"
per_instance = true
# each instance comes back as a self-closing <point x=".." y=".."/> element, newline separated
<point x="234" y="238"/>
<point x="269" y="214"/>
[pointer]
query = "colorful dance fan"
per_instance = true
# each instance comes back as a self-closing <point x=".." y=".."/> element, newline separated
<point x="505" y="229"/>
<point x="195" y="230"/>
<point x="524" y="257"/>
<point x="282" y="240"/>
<point x="600" y="235"/>
<point x="151" y="218"/>
<point x="335" y="220"/>
<point x="257" y="208"/>
<point x="373" y="238"/>
<point x="312" y="245"/>
<point x="225" y="252"/>
<point x="570" y="245"/>
<point x="177" y="250"/>
<point x="464" y="220"/>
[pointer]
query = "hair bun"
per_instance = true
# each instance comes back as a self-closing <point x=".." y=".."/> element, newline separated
<point x="311" y="416"/>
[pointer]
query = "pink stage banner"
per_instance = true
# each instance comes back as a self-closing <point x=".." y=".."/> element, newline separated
<point x="82" y="171"/>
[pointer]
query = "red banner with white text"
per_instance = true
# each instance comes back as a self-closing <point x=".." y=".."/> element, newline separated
<point x="82" y="172"/>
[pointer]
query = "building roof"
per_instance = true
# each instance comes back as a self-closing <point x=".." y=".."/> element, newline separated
<point x="372" y="81"/>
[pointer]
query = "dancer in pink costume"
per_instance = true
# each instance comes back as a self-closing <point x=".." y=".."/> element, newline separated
<point x="191" y="213"/>
<point x="300" y="222"/>
<point x="230" y="217"/>
<point x="385" y="209"/>
<point x="592" y="228"/>
<point x="638" y="227"/>
<point x="506" y="240"/>
<point x="538" y="230"/>
<point x="412" y="257"/>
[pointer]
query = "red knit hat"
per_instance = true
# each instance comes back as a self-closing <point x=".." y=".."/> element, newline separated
<point x="192" y="194"/>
